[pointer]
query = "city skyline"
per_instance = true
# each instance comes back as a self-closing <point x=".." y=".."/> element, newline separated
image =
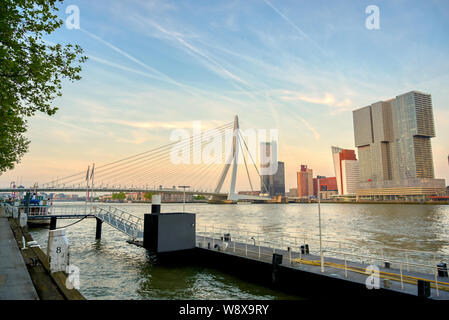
<point x="156" y="61"/>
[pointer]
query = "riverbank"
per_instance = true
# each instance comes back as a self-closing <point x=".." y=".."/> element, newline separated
<point x="30" y="278"/>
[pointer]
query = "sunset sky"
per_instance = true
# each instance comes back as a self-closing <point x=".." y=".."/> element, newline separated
<point x="297" y="66"/>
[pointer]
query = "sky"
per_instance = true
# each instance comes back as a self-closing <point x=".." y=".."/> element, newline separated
<point x="297" y="66"/>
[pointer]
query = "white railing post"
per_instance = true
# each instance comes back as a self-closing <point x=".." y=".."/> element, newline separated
<point x="322" y="261"/>
<point x="258" y="239"/>
<point x="246" y="246"/>
<point x="346" y="267"/>
<point x="290" y="254"/>
<point x="402" y="283"/>
<point x="406" y="259"/>
<point x="436" y="281"/>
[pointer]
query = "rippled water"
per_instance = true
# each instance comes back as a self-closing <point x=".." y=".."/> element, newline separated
<point x="113" y="269"/>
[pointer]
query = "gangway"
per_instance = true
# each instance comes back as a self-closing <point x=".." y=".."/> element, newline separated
<point x="120" y="220"/>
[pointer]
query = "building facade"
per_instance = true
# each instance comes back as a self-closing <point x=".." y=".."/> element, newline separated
<point x="305" y="182"/>
<point x="272" y="178"/>
<point x="346" y="168"/>
<point x="326" y="184"/>
<point x="393" y="139"/>
<point x="274" y="184"/>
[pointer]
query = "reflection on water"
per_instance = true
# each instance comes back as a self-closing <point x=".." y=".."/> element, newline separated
<point x="113" y="269"/>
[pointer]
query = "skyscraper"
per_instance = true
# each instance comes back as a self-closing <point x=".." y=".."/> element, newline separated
<point x="305" y="181"/>
<point x="346" y="168"/>
<point x="272" y="181"/>
<point x="274" y="184"/>
<point x="394" y="148"/>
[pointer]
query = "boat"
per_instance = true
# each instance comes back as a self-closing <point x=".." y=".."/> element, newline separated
<point x="38" y="206"/>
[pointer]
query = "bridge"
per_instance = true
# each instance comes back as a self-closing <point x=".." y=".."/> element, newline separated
<point x="196" y="161"/>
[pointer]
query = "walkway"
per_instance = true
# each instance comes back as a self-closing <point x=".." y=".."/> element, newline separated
<point x="15" y="281"/>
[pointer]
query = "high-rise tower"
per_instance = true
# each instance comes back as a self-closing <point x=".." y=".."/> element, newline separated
<point x="394" y="148"/>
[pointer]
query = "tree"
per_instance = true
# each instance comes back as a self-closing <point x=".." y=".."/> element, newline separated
<point x="31" y="70"/>
<point x="119" y="196"/>
<point x="148" y="196"/>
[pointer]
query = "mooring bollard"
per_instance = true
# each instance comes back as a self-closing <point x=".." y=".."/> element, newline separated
<point x="15" y="212"/>
<point x="23" y="219"/>
<point x="58" y="250"/>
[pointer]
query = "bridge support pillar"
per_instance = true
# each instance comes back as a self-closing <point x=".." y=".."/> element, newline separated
<point x="98" y="229"/>
<point x="53" y="221"/>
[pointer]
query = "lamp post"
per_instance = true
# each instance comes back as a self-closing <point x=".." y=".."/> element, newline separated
<point x="184" y="200"/>
<point x="319" y="223"/>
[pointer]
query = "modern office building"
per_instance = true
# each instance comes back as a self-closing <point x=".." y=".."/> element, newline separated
<point x="273" y="181"/>
<point x="326" y="184"/>
<point x="328" y="187"/>
<point x="346" y="168"/>
<point x="394" y="148"/>
<point x="305" y="182"/>
<point x="279" y="180"/>
<point x="274" y="184"/>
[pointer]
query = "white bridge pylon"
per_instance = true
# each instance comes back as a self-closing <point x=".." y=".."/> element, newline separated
<point x="233" y="159"/>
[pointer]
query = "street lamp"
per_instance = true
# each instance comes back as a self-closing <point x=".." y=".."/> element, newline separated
<point x="184" y="201"/>
<point x="319" y="223"/>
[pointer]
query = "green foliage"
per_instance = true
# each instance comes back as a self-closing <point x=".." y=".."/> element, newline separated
<point x="148" y="195"/>
<point x="119" y="196"/>
<point x="199" y="197"/>
<point x="31" y="70"/>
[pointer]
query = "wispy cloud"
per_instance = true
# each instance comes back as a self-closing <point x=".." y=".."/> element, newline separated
<point x="298" y="29"/>
<point x="309" y="126"/>
<point x="220" y="69"/>
<point x="164" y="124"/>
<point x="328" y="99"/>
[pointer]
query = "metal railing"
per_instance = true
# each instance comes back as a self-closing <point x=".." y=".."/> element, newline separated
<point x="256" y="244"/>
<point x="69" y="210"/>
<point x="120" y="219"/>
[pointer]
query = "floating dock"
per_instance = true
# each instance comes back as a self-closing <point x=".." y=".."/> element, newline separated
<point x="301" y="274"/>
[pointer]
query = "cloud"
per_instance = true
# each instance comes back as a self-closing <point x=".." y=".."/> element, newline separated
<point x="164" y="124"/>
<point x="217" y="67"/>
<point x="328" y="99"/>
<point x="309" y="126"/>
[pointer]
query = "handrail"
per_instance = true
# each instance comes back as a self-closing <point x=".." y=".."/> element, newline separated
<point x="120" y="219"/>
<point x="289" y="241"/>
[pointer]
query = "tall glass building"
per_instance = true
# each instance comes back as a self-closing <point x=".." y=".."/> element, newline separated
<point x="393" y="139"/>
<point x="272" y="183"/>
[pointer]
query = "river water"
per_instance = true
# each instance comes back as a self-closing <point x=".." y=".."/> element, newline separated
<point x="111" y="268"/>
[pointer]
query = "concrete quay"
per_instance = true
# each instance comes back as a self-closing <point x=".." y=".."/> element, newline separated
<point x="15" y="281"/>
